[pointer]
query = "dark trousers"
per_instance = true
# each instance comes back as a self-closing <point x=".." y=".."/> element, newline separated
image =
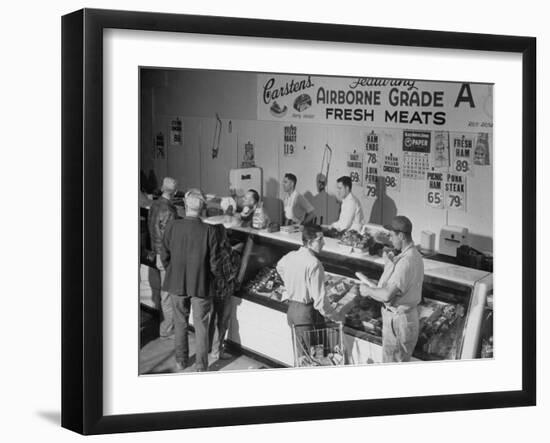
<point x="201" y="317"/>
<point x="304" y="318"/>
<point x="219" y="322"/>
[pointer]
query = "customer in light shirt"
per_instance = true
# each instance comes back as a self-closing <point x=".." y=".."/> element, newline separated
<point x="351" y="213"/>
<point x="297" y="209"/>
<point x="400" y="290"/>
<point x="304" y="280"/>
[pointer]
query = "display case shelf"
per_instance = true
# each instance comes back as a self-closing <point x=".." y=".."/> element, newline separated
<point x="450" y="312"/>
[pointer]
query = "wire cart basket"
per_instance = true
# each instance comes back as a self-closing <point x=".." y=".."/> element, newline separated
<point x="315" y="346"/>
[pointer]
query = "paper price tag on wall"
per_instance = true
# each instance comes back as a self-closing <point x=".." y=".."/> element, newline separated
<point x="434" y="190"/>
<point x="355" y="168"/>
<point x="455" y="191"/>
<point x="158" y="146"/>
<point x="370" y="163"/>
<point x="289" y="141"/>
<point x="462" y="147"/>
<point x="176" y="132"/>
<point x="392" y="173"/>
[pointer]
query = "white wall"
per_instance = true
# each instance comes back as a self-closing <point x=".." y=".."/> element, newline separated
<point x="30" y="382"/>
<point x="199" y="95"/>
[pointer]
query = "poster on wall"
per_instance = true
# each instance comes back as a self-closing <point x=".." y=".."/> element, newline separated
<point x="481" y="152"/>
<point x="441" y="150"/>
<point x="462" y="153"/>
<point x="374" y="102"/>
<point x="455" y="191"/>
<point x="416" y="154"/>
<point x="289" y="141"/>
<point x="391" y="171"/>
<point x="158" y="146"/>
<point x="176" y="132"/>
<point x="434" y="197"/>
<point x="371" y="142"/>
<point x="355" y="168"/>
<point x="248" y="156"/>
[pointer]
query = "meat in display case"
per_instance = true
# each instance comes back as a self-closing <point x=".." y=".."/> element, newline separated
<point x="449" y="317"/>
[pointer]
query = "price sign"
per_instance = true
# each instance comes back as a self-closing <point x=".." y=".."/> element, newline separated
<point x="434" y="190"/>
<point x="158" y="147"/>
<point x="391" y="169"/>
<point x="355" y="168"/>
<point x="289" y="142"/>
<point x="176" y="132"/>
<point x="371" y="182"/>
<point x="462" y="146"/>
<point x="371" y="161"/>
<point x="455" y="191"/>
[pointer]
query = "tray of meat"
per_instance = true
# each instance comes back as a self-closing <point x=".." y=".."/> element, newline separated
<point x="266" y="282"/>
<point x="441" y="327"/>
<point x="356" y="242"/>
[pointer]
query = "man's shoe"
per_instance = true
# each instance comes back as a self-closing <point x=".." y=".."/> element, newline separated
<point x="225" y="356"/>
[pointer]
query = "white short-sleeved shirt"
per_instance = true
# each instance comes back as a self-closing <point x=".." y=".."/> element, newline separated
<point x="297" y="207"/>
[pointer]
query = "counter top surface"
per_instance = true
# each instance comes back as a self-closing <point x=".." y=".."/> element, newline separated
<point x="432" y="268"/>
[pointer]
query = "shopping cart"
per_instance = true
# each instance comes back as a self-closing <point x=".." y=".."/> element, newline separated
<point x="314" y="346"/>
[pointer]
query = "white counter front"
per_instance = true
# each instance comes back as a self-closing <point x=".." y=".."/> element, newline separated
<point x="432" y="268"/>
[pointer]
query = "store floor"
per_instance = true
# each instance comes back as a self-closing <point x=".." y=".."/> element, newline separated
<point x="156" y="355"/>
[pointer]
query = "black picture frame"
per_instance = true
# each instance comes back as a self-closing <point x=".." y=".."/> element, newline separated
<point x="82" y="216"/>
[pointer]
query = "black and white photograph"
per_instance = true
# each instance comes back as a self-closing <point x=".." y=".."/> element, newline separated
<point x="297" y="220"/>
<point x="275" y="221"/>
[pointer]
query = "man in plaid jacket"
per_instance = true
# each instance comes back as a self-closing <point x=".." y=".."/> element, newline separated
<point x="229" y="262"/>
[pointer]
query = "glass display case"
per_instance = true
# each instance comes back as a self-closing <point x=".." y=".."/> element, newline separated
<point x="450" y="318"/>
<point x="486" y="334"/>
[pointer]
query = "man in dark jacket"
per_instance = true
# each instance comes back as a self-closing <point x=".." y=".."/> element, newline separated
<point x="161" y="212"/>
<point x="190" y="255"/>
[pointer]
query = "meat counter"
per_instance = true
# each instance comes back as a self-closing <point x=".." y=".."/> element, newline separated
<point x="450" y="314"/>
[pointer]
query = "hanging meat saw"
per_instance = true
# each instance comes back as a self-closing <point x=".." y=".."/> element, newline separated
<point x="322" y="177"/>
<point x="217" y="137"/>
